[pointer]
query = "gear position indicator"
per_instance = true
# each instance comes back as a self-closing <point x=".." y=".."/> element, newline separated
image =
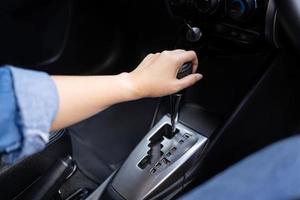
<point x="159" y="159"/>
<point x="172" y="148"/>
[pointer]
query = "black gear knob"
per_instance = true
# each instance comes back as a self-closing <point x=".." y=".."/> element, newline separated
<point x="185" y="70"/>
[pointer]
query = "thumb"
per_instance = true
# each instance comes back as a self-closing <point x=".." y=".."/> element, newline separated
<point x="189" y="80"/>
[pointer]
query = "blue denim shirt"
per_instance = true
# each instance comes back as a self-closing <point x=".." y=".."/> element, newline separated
<point x="28" y="105"/>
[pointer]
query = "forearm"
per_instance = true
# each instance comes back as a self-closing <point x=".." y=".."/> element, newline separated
<point x="83" y="96"/>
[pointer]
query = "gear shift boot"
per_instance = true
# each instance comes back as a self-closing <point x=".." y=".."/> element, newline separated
<point x="158" y="161"/>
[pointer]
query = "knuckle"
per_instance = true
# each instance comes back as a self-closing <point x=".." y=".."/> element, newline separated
<point x="149" y="55"/>
<point x="176" y="60"/>
<point x="192" y="52"/>
<point x="165" y="52"/>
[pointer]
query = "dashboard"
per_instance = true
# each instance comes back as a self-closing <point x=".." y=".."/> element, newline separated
<point x="240" y="21"/>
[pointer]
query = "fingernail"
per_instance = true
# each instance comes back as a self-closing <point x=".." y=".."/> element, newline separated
<point x="199" y="76"/>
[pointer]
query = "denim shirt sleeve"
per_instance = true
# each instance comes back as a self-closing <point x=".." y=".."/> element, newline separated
<point x="36" y="104"/>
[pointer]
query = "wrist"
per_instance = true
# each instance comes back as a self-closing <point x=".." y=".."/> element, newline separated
<point x="132" y="91"/>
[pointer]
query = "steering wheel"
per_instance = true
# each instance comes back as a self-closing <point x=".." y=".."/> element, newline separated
<point x="289" y="17"/>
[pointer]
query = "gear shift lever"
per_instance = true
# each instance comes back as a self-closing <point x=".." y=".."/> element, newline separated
<point x="193" y="35"/>
<point x="184" y="71"/>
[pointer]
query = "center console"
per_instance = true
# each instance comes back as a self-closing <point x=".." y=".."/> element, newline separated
<point x="167" y="158"/>
<point x="147" y="175"/>
<point x="161" y="165"/>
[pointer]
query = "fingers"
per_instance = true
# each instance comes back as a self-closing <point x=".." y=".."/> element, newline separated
<point x="179" y="56"/>
<point x="178" y="51"/>
<point x="188" y="56"/>
<point x="188" y="81"/>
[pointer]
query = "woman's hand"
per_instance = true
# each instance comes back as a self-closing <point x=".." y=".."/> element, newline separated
<point x="156" y="74"/>
<point x="83" y="96"/>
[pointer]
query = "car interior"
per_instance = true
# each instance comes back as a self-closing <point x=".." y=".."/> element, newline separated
<point x="156" y="148"/>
